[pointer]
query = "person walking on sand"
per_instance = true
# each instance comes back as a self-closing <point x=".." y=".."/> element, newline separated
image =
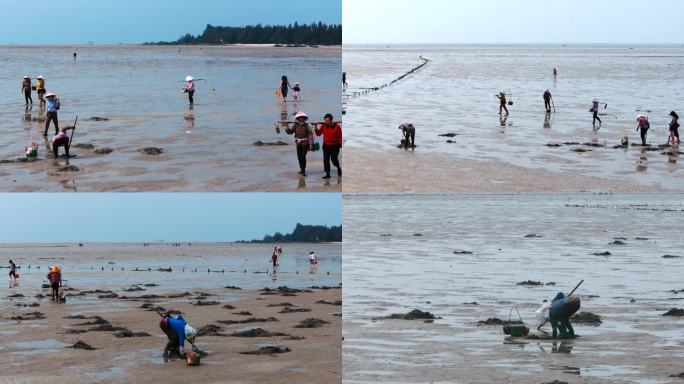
<point x="595" y="108"/>
<point x="13" y="274"/>
<point x="190" y="88"/>
<point x="52" y="104"/>
<point x="344" y="80"/>
<point x="60" y="140"/>
<point x="332" y="142"/>
<point x="55" y="279"/>
<point x="643" y="125"/>
<point x="284" y="87"/>
<point x="555" y="73"/>
<point x="274" y="259"/>
<point x="26" y="89"/>
<point x="40" y="90"/>
<point x="547" y="100"/>
<point x="502" y="102"/>
<point x="303" y="138"/>
<point x="674" y="128"/>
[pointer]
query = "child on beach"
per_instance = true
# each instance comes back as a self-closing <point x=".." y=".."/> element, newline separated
<point x="643" y="125"/>
<point x="26" y="89"/>
<point x="55" y="278"/>
<point x="674" y="126"/>
<point x="296" y="90"/>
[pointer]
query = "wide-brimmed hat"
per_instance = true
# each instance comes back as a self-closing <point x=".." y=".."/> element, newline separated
<point x="640" y="117"/>
<point x="502" y="93"/>
<point x="50" y="94"/>
<point x="40" y="77"/>
<point x="27" y="77"/>
<point x="300" y="115"/>
<point x="189" y="78"/>
<point x="297" y="83"/>
<point x="674" y="114"/>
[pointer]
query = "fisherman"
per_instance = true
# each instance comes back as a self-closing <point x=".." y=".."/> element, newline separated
<point x="297" y="90"/>
<point x="643" y="125"/>
<point x="26" y="89"/>
<point x="190" y="88"/>
<point x="55" y="278"/>
<point x="409" y="132"/>
<point x="40" y="90"/>
<point x="13" y="274"/>
<point x="303" y="138"/>
<point x="284" y="87"/>
<point x="274" y="259"/>
<point x="177" y="330"/>
<point x="547" y="100"/>
<point x="559" y="315"/>
<point x="52" y="104"/>
<point x="674" y="126"/>
<point x="344" y="80"/>
<point x="595" y="108"/>
<point x="312" y="258"/>
<point x="60" y="140"/>
<point x="502" y="102"/>
<point x="332" y="142"/>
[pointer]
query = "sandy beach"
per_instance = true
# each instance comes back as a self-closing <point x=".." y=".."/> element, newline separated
<point x="137" y="133"/>
<point x="220" y="303"/>
<point x="470" y="259"/>
<point x="460" y="134"/>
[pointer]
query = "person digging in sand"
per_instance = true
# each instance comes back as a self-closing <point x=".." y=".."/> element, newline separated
<point x="177" y="330"/>
<point x="643" y="125"/>
<point x="674" y="129"/>
<point x="409" y="133"/>
<point x="55" y="279"/>
<point x="60" y="140"/>
<point x="561" y="309"/>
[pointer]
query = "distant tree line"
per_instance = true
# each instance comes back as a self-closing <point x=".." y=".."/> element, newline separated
<point x="292" y="34"/>
<point x="304" y="234"/>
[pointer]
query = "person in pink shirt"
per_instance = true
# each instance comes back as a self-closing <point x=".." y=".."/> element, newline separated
<point x="643" y="125"/>
<point x="190" y="88"/>
<point x="60" y="140"/>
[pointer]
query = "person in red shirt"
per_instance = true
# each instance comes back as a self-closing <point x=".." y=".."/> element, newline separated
<point x="332" y="142"/>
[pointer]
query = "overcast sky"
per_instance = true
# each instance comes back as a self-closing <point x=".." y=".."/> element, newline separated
<point x="150" y="217"/>
<point x="138" y="21"/>
<point x="513" y="21"/>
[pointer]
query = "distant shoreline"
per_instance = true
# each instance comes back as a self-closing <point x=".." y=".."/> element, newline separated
<point x="85" y="46"/>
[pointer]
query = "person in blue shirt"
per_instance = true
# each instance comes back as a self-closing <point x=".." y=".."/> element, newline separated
<point x="52" y="103"/>
<point x="177" y="330"/>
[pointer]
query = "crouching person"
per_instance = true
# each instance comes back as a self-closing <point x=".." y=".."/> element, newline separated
<point x="177" y="331"/>
<point x="60" y="140"/>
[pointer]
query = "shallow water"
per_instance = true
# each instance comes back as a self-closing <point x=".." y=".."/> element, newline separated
<point x="139" y="89"/>
<point x="455" y="93"/>
<point x="82" y="267"/>
<point x="388" y="269"/>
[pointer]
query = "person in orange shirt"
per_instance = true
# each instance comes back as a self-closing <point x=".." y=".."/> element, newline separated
<point x="332" y="142"/>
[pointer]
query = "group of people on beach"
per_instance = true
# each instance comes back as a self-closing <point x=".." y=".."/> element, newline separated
<point x="304" y="132"/>
<point x="285" y="87"/>
<point x="51" y="103"/>
<point x="278" y="251"/>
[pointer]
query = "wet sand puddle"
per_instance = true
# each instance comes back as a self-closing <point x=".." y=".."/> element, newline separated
<point x="137" y="90"/>
<point x="454" y="94"/>
<point x="114" y="313"/>
<point x="461" y="258"/>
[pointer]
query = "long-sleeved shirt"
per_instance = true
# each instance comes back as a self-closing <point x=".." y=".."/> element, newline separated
<point x="55" y="277"/>
<point x="26" y="85"/>
<point x="178" y="327"/>
<point x="302" y="132"/>
<point x="190" y="85"/>
<point x="60" y="135"/>
<point x="331" y="135"/>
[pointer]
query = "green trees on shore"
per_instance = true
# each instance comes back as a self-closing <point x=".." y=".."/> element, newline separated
<point x="305" y="234"/>
<point x="293" y="34"/>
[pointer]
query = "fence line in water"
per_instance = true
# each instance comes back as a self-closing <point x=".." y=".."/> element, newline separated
<point x="366" y="91"/>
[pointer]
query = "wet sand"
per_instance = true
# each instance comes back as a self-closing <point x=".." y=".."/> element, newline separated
<point x="137" y="91"/>
<point x="462" y="257"/>
<point x="35" y="350"/>
<point x="454" y="95"/>
<point x="415" y="171"/>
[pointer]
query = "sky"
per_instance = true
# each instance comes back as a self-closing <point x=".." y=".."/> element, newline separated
<point x="151" y="217"/>
<point x="138" y="21"/>
<point x="513" y="21"/>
